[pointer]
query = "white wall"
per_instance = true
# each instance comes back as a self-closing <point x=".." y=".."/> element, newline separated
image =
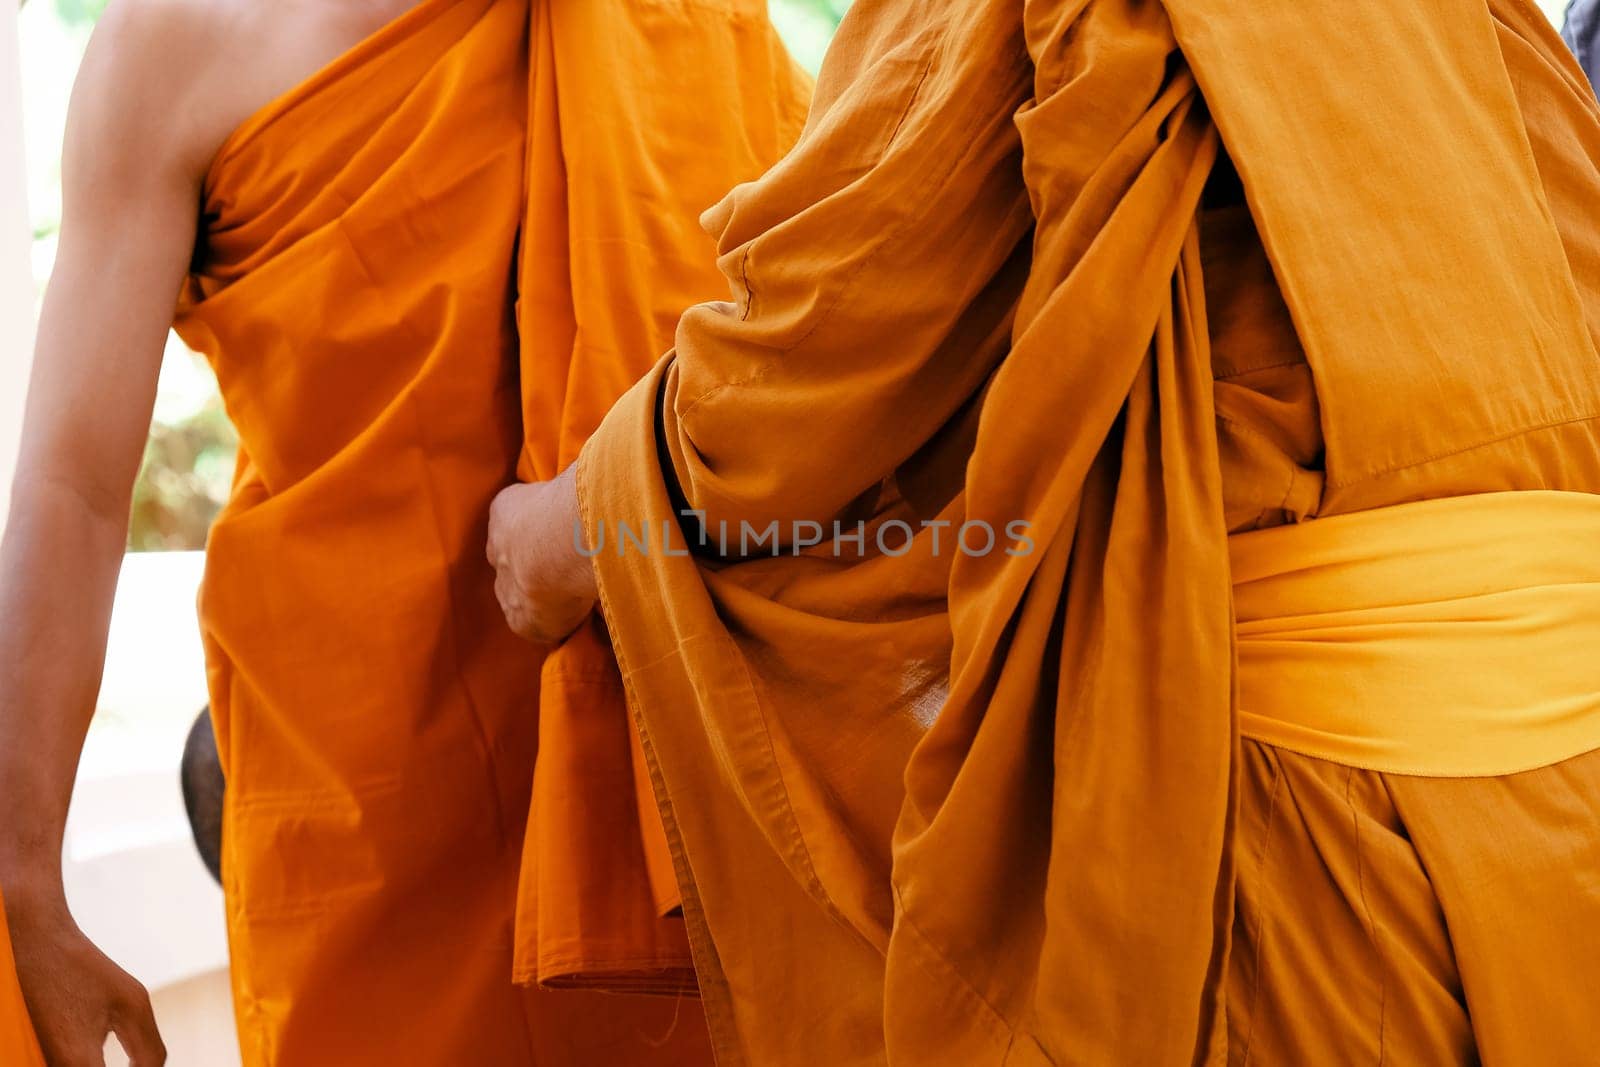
<point x="16" y="282"/>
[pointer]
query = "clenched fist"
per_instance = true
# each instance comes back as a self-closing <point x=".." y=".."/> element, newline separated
<point x="545" y="585"/>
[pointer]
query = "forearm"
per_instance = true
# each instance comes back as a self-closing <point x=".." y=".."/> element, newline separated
<point x="58" y="574"/>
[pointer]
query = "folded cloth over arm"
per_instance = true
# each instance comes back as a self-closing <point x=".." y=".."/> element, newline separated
<point x="971" y="802"/>
<point x="640" y="116"/>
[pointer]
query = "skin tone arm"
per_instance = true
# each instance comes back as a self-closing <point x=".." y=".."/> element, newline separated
<point x="545" y="585"/>
<point x="163" y="84"/>
<point x="130" y="185"/>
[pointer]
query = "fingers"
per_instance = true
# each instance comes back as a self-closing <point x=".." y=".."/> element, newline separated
<point x="544" y="621"/>
<point x="544" y="584"/>
<point x="134" y="1022"/>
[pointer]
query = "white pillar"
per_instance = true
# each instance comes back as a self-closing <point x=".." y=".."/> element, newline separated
<point x="16" y="276"/>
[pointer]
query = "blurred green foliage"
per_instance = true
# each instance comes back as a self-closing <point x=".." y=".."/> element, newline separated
<point x="183" y="482"/>
<point x="807" y="26"/>
<point x="79" y="12"/>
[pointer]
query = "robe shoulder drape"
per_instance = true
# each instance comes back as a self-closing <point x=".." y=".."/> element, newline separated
<point x="374" y="288"/>
<point x="953" y="805"/>
<point x="641" y="116"/>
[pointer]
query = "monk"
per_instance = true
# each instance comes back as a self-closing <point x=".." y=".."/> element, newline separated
<point x="400" y="232"/>
<point x="1116" y="583"/>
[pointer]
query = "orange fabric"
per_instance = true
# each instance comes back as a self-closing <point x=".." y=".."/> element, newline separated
<point x="1374" y="909"/>
<point x="18" y="1046"/>
<point x="354" y="289"/>
<point x="629" y="141"/>
<point x="1353" y="631"/>
<point x="937" y="807"/>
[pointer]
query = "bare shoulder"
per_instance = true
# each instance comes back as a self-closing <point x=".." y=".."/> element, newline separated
<point x="169" y="80"/>
<point x="153" y="92"/>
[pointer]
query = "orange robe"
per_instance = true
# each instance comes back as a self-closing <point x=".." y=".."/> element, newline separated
<point x="933" y="806"/>
<point x="372" y="242"/>
<point x="642" y="154"/>
<point x="18" y="1046"/>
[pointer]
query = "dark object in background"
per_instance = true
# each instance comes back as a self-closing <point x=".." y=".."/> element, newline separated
<point x="1581" y="31"/>
<point x="201" y="776"/>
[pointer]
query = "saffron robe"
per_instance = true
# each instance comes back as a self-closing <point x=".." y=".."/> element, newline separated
<point x="366" y="242"/>
<point x="18" y="1046"/>
<point x="932" y="806"/>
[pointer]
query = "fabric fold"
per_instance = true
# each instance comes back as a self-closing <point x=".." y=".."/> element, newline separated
<point x="366" y="238"/>
<point x="640" y="117"/>
<point x="1355" y="633"/>
<point x="972" y="297"/>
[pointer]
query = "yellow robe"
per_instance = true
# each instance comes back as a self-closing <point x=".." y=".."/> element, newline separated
<point x="933" y="806"/>
<point x="434" y="261"/>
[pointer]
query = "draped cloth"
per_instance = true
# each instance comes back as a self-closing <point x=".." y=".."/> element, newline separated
<point x="18" y="1046"/>
<point x="421" y="270"/>
<point x="640" y="117"/>
<point x="957" y="805"/>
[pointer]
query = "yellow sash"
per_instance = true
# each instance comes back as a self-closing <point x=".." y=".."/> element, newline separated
<point x="1447" y="638"/>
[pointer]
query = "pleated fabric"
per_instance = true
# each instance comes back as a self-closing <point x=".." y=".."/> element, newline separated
<point x="424" y="269"/>
<point x="936" y="803"/>
<point x="1432" y="921"/>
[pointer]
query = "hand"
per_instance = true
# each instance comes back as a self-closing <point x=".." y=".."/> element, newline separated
<point x="75" y="994"/>
<point x="545" y="584"/>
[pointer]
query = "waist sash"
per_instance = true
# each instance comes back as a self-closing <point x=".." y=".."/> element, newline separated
<point x="1447" y="638"/>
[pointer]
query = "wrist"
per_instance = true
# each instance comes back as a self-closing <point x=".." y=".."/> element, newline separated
<point x="33" y="888"/>
<point x="30" y="869"/>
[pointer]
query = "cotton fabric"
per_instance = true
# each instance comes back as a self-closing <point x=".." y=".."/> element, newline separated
<point x="936" y="807"/>
<point x="425" y="269"/>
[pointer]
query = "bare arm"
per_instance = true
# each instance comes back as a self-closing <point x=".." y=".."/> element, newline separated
<point x="130" y="189"/>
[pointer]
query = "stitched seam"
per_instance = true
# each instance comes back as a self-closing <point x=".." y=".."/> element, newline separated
<point x="716" y="995"/>
<point x="1288" y="490"/>
<point x="1261" y="920"/>
<point x="1372" y="922"/>
<point x="964" y="985"/>
<point x="1245" y="430"/>
<point x="1242" y="371"/>
<point x="1527" y="430"/>
<point x="935" y="178"/>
